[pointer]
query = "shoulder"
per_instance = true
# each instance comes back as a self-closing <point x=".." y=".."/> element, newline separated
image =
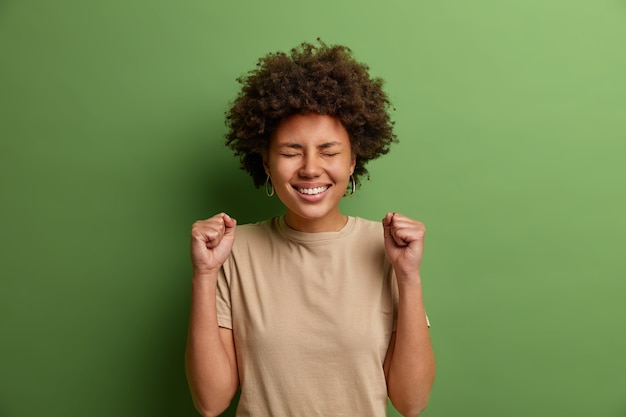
<point x="368" y="227"/>
<point x="368" y="235"/>
<point x="250" y="233"/>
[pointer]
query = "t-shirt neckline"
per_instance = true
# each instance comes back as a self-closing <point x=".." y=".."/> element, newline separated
<point x="296" y="235"/>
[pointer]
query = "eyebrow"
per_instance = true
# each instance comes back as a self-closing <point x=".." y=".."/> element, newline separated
<point x="293" y="145"/>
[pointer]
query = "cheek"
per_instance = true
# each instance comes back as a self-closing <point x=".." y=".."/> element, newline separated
<point x="342" y="174"/>
<point x="282" y="170"/>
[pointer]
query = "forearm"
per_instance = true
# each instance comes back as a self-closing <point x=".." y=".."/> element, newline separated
<point x="210" y="364"/>
<point x="412" y="364"/>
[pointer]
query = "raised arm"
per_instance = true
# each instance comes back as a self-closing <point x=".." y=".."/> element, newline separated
<point x="210" y="357"/>
<point x="410" y="362"/>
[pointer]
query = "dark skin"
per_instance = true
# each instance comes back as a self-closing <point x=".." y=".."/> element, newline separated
<point x="311" y="78"/>
<point x="310" y="161"/>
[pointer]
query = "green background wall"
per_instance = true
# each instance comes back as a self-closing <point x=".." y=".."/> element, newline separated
<point x="512" y="124"/>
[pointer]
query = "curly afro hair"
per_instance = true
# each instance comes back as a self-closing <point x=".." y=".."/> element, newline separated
<point x="319" y="79"/>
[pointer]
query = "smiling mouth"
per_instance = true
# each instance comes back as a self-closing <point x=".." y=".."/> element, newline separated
<point x="312" y="191"/>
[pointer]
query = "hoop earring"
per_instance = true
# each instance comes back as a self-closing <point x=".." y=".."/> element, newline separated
<point x="352" y="187"/>
<point x="269" y="187"/>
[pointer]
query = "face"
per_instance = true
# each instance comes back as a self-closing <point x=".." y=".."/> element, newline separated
<point x="310" y="162"/>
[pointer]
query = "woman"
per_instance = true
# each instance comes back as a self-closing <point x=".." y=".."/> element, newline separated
<point x="313" y="313"/>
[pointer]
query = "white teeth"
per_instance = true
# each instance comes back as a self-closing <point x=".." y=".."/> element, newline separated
<point x="312" y="191"/>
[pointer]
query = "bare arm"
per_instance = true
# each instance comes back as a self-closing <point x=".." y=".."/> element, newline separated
<point x="410" y="364"/>
<point x="210" y="357"/>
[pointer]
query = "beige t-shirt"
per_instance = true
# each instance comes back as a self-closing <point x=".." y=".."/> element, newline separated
<point x="312" y="315"/>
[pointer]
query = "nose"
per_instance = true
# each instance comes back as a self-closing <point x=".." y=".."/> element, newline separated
<point x="311" y="166"/>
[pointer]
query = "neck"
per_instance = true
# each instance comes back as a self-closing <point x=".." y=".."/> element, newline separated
<point x="300" y="224"/>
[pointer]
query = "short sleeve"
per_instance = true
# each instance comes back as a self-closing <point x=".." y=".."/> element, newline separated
<point x="224" y="316"/>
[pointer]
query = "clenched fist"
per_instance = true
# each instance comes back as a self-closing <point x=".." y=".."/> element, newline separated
<point x="211" y="242"/>
<point x="404" y="244"/>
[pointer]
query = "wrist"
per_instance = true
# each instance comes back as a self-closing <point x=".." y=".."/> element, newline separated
<point x="409" y="279"/>
<point x="209" y="275"/>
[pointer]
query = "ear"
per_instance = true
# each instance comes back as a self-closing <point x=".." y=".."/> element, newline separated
<point x="266" y="164"/>
<point x="352" y="164"/>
